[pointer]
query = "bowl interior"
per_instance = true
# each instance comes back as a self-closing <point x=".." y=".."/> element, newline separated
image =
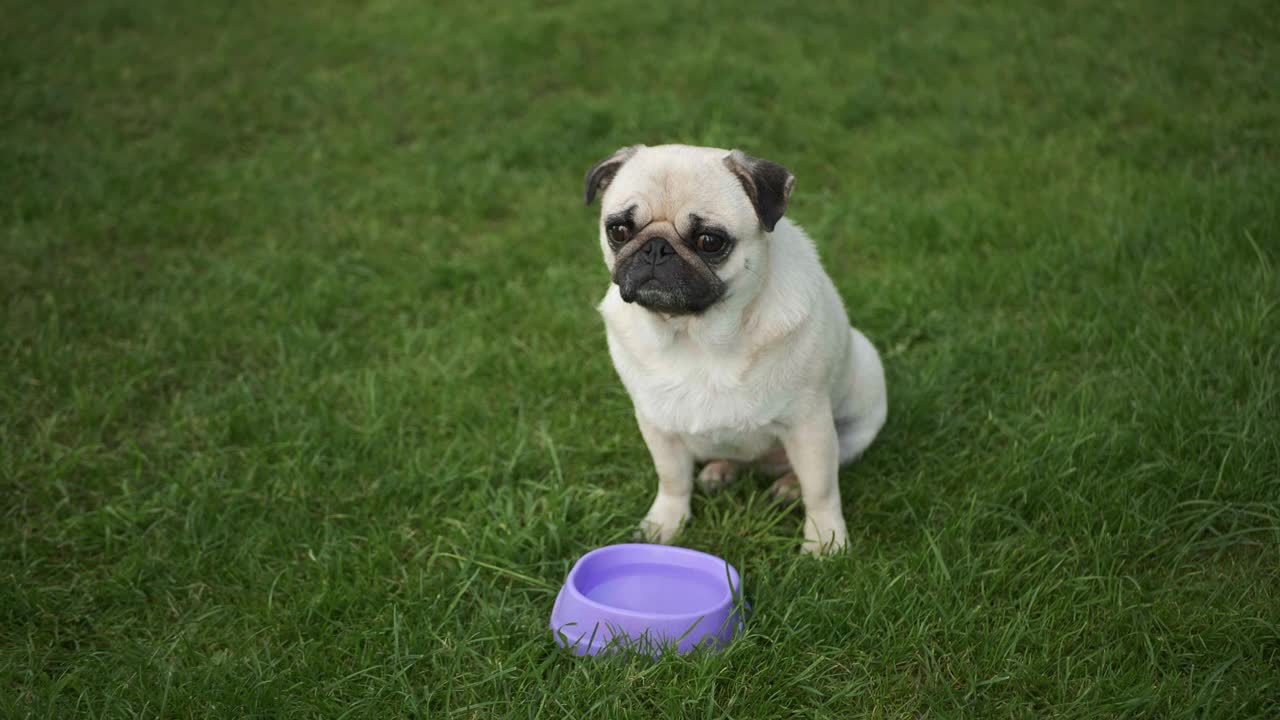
<point x="654" y="580"/>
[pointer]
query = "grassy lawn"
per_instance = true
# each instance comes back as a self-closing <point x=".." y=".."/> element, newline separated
<point x="306" y="409"/>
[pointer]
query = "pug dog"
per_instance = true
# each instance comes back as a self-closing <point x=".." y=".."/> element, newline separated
<point x="728" y="334"/>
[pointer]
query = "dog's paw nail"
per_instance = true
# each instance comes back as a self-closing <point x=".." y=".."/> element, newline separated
<point x="659" y="530"/>
<point x="824" y="534"/>
<point x="655" y="535"/>
<point x="815" y="550"/>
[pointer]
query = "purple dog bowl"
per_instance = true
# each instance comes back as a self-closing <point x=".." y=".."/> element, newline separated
<point x="647" y="597"/>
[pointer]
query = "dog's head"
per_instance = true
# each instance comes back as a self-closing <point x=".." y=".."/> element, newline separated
<point x="683" y="227"/>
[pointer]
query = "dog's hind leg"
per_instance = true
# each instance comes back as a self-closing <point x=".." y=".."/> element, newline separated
<point x="866" y="404"/>
<point x="855" y="436"/>
<point x="717" y="474"/>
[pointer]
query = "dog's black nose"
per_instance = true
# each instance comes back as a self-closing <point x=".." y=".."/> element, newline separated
<point x="657" y="250"/>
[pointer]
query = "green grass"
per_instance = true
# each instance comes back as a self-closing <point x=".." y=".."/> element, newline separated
<point x="306" y="409"/>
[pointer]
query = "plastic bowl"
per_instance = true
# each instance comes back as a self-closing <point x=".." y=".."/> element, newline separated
<point x="652" y="598"/>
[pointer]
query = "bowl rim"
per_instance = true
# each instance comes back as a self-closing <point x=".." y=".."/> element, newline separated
<point x="724" y="603"/>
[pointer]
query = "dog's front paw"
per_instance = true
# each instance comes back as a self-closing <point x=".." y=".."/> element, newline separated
<point x="824" y="534"/>
<point x="664" y="520"/>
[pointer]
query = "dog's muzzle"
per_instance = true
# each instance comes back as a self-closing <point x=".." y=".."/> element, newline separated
<point x="656" y="249"/>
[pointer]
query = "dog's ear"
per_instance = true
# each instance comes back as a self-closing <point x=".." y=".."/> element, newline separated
<point x="767" y="184"/>
<point x="599" y="177"/>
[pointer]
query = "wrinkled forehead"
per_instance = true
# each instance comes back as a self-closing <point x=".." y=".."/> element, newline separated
<point x="674" y="189"/>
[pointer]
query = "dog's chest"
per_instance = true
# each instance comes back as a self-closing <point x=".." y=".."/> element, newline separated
<point x="720" y="402"/>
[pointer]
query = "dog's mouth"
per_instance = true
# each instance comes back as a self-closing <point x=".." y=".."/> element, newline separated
<point x="630" y="286"/>
<point x="653" y="295"/>
<point x="662" y="289"/>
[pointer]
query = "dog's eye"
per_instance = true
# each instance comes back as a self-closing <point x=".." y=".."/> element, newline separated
<point x="618" y="234"/>
<point x="708" y="243"/>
